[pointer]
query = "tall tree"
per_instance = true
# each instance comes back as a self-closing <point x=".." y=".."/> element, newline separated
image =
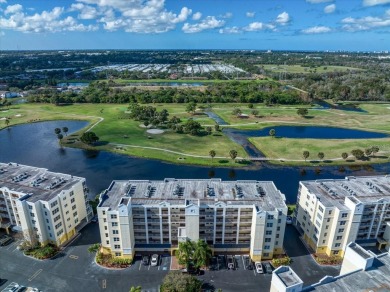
<point x="202" y="254"/>
<point x="212" y="154"/>
<point x="57" y="131"/>
<point x="209" y="130"/>
<point x="136" y="289"/>
<point x="375" y="149"/>
<point x="233" y="154"/>
<point x="191" y="107"/>
<point x="302" y="112"/>
<point x="60" y="137"/>
<point x="176" y="281"/>
<point x="357" y="153"/>
<point x="321" y="155"/>
<point x="305" y="154"/>
<point x="344" y="155"/>
<point x="272" y="133"/>
<point x="216" y="127"/>
<point x="89" y="138"/>
<point x="65" y="130"/>
<point x="368" y="151"/>
<point x="185" y="252"/>
<point x="7" y="121"/>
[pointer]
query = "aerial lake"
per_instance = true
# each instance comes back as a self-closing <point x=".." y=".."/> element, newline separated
<point x="36" y="144"/>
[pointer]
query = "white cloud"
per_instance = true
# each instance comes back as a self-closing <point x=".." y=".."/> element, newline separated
<point x="13" y="9"/>
<point x="197" y="16"/>
<point x="227" y="15"/>
<point x="3" y="1"/>
<point x="46" y="21"/>
<point x="283" y="18"/>
<point x="375" y="2"/>
<point x="210" y="22"/>
<point x="230" y="30"/>
<point x="330" y="8"/>
<point x="138" y="16"/>
<point x="317" y="29"/>
<point x="366" y="23"/>
<point x="250" y="14"/>
<point x="85" y="11"/>
<point x="255" y="26"/>
<point x="318" y="1"/>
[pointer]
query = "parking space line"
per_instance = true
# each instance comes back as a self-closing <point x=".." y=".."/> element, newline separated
<point x="254" y="271"/>
<point x="104" y="284"/>
<point x="243" y="263"/>
<point x="140" y="264"/>
<point x="35" y="275"/>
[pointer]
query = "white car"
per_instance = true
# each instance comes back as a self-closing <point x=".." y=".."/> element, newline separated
<point x="259" y="268"/>
<point x="289" y="220"/>
<point x="154" y="260"/>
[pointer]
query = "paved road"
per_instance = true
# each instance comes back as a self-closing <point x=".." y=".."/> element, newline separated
<point x="303" y="264"/>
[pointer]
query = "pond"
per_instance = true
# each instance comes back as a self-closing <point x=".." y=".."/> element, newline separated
<point x="173" y="84"/>
<point x="37" y="145"/>
<point x="74" y="84"/>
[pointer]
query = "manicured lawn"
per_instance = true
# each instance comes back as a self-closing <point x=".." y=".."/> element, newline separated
<point x="305" y="70"/>
<point x="292" y="149"/>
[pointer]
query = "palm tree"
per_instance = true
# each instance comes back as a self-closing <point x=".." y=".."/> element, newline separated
<point x="136" y="289"/>
<point x="202" y="253"/>
<point x="57" y="131"/>
<point x="305" y="154"/>
<point x="209" y="130"/>
<point x="368" y="151"/>
<point x="233" y="154"/>
<point x="184" y="252"/>
<point x="60" y="136"/>
<point x="344" y="155"/>
<point x="374" y="149"/>
<point x="6" y="121"/>
<point x="65" y="130"/>
<point x="212" y="154"/>
<point x="272" y="133"/>
<point x="216" y="127"/>
<point x="321" y="155"/>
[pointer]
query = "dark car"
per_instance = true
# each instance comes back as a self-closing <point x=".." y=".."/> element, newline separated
<point x="268" y="268"/>
<point x="145" y="260"/>
<point x="230" y="262"/>
<point x="192" y="270"/>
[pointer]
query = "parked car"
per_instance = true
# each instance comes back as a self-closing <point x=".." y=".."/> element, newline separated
<point x="259" y="267"/>
<point x="13" y="287"/>
<point x="289" y="220"/>
<point x="230" y="262"/>
<point x="145" y="260"/>
<point x="248" y="263"/>
<point x="191" y="270"/>
<point x="154" y="261"/>
<point x="94" y="219"/>
<point x="5" y="239"/>
<point x="268" y="268"/>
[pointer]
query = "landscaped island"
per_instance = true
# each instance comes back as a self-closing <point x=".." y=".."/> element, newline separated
<point x="118" y="132"/>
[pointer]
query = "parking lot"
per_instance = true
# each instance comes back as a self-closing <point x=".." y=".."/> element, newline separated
<point x="74" y="269"/>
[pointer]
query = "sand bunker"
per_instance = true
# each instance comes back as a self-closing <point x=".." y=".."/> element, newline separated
<point x="143" y="126"/>
<point x="18" y="115"/>
<point x="155" y="131"/>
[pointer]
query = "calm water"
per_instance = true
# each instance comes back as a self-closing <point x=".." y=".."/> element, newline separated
<point x="76" y="84"/>
<point x="173" y="84"/>
<point x="37" y="145"/>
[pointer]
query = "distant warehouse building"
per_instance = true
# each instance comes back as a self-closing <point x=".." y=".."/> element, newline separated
<point x="48" y="207"/>
<point x="332" y="213"/>
<point x="231" y="216"/>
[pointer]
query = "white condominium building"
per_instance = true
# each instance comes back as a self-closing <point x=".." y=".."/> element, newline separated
<point x="47" y="207"/>
<point x="333" y="213"/>
<point x="231" y="216"/>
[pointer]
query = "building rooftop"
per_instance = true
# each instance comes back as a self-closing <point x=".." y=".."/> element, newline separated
<point x="364" y="189"/>
<point x="374" y="279"/>
<point x="40" y="183"/>
<point x="360" y="251"/>
<point x="288" y="276"/>
<point x="182" y="191"/>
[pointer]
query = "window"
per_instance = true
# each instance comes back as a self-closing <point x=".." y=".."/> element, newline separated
<point x="50" y="235"/>
<point x="277" y="235"/>
<point x="336" y="252"/>
<point x="339" y="237"/>
<point x="114" y="224"/>
<point x="113" y="217"/>
<point x="72" y="201"/>
<point x="278" y="228"/>
<point x="337" y="244"/>
<point x="107" y="242"/>
<point x="319" y="216"/>
<point x="104" y="212"/>
<point x="67" y="212"/>
<point x="32" y="215"/>
<point x="115" y="232"/>
<point x="343" y="222"/>
<point x="323" y="241"/>
<point x="45" y="213"/>
<point x="304" y="217"/>
<point x="106" y="234"/>
<point x="47" y="220"/>
<point x="330" y="212"/>
<point x="76" y="220"/>
<point x="74" y="214"/>
<point x="52" y="205"/>
<point x="308" y="197"/>
<point x="71" y="193"/>
<point x="117" y="246"/>
<point x="55" y="211"/>
<point x="270" y="224"/>
<point x="267" y="239"/>
<point x="64" y="198"/>
<point x="68" y="219"/>
<point x="66" y="205"/>
<point x="327" y="227"/>
<point x="344" y="215"/>
<point x="104" y="220"/>
<point x="270" y="217"/>
<point x="341" y="230"/>
<point x="325" y="234"/>
<point x="266" y="254"/>
<point x="266" y="247"/>
<point x="116" y="238"/>
<point x="73" y="207"/>
<point x="318" y="223"/>
<point x="33" y="221"/>
<point x="303" y="224"/>
<point x="321" y="209"/>
<point x="315" y="230"/>
<point x="30" y="207"/>
<point x="279" y="220"/>
<point x="105" y="227"/>
<point x="58" y="225"/>
<point x="57" y="218"/>
<point x="118" y="254"/>
<point x="48" y="227"/>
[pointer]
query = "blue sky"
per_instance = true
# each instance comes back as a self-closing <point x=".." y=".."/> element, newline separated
<point x="356" y="25"/>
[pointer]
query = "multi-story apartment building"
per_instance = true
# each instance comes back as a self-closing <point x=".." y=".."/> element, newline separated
<point x="231" y="216"/>
<point x="47" y="207"/>
<point x="333" y="213"/>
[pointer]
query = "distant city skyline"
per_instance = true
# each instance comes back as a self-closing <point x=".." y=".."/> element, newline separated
<point x="335" y="25"/>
